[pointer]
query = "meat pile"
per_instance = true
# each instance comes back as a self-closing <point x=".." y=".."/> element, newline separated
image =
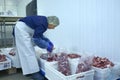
<point x="49" y="57"/>
<point x="63" y="64"/>
<point x="73" y="56"/>
<point x="2" y="58"/>
<point x="102" y="62"/>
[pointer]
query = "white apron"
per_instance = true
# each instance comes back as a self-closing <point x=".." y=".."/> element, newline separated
<point x="26" y="52"/>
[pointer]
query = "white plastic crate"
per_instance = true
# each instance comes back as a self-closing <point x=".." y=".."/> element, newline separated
<point x="107" y="73"/>
<point x="5" y="64"/>
<point x="115" y="73"/>
<point x="15" y="62"/>
<point x="101" y="74"/>
<point x="73" y="60"/>
<point x="73" y="64"/>
<point x="53" y="74"/>
<point x="43" y="62"/>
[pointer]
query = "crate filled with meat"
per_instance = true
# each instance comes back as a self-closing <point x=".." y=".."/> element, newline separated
<point x="105" y="69"/>
<point x="49" y="58"/>
<point x="63" y="69"/>
<point x="5" y="63"/>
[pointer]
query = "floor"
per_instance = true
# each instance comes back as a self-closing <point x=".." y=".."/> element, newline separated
<point x="16" y="76"/>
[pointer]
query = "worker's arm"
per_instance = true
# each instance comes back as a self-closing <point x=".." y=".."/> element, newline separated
<point x="43" y="44"/>
<point x="46" y="39"/>
<point x="42" y="41"/>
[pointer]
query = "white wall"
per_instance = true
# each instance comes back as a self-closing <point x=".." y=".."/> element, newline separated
<point x="85" y="25"/>
<point x="99" y="29"/>
<point x="61" y="34"/>
<point x="22" y="7"/>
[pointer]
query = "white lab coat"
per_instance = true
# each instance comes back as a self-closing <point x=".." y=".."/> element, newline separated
<point x="25" y="48"/>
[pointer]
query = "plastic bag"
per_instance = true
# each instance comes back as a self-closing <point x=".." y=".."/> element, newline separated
<point x="49" y="57"/>
<point x="84" y="64"/>
<point x="63" y="64"/>
<point x="12" y="52"/>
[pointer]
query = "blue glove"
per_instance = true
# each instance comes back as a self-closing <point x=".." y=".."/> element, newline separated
<point x="50" y="43"/>
<point x="50" y="47"/>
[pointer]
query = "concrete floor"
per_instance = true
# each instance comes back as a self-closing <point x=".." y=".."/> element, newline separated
<point x="16" y="76"/>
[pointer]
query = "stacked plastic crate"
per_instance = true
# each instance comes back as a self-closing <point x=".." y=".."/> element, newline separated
<point x="5" y="62"/>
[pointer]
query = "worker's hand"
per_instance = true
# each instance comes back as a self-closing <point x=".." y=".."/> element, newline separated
<point x="50" y="43"/>
<point x="50" y="47"/>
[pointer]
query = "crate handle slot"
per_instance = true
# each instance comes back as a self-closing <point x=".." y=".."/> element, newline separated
<point x="82" y="76"/>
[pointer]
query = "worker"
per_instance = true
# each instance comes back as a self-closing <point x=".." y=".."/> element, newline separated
<point x="30" y="29"/>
